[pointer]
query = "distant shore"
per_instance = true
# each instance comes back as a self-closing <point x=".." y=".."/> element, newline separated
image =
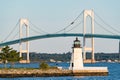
<point x="45" y="73"/>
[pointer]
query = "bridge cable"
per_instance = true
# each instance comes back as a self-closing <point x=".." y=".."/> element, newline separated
<point x="70" y="23"/>
<point x="34" y="30"/>
<point x="11" y="32"/>
<point x="103" y="27"/>
<point x="107" y="23"/>
<point x="63" y="28"/>
<point x="78" y="16"/>
<point x="75" y="26"/>
<point x="15" y="35"/>
<point x="37" y="28"/>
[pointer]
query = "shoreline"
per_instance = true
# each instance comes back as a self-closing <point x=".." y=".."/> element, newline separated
<point x="46" y="73"/>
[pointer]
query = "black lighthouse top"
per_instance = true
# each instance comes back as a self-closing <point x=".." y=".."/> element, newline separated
<point x="76" y="43"/>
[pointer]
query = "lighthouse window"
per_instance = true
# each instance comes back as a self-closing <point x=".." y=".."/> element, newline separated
<point x="77" y="42"/>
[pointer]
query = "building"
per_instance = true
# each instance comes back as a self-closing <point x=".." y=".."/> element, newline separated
<point x="76" y="64"/>
<point x="76" y="57"/>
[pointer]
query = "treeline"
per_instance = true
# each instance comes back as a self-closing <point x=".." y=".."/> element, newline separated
<point x="65" y="57"/>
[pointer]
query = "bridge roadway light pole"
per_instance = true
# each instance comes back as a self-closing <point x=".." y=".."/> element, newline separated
<point x="85" y="48"/>
<point x="24" y="23"/>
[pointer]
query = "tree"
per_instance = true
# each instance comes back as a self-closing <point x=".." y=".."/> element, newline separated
<point x="4" y="54"/>
<point x="13" y="57"/>
<point x="9" y="55"/>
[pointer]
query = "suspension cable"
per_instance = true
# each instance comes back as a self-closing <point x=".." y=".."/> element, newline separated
<point x="77" y="17"/>
<point x="38" y="28"/>
<point x="75" y="26"/>
<point x="103" y="27"/>
<point x="70" y="23"/>
<point x="15" y="36"/>
<point x="107" y="23"/>
<point x="34" y="30"/>
<point x="11" y="32"/>
<point x="63" y="28"/>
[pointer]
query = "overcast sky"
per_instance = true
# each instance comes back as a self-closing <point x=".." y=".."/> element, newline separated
<point x="54" y="15"/>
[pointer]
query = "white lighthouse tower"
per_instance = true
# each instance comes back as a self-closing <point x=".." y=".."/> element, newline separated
<point x="76" y="57"/>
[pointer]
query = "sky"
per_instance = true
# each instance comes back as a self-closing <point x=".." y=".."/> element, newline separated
<point x="54" y="15"/>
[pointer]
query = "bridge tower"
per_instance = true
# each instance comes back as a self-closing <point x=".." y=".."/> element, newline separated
<point x="24" y="23"/>
<point x="85" y="48"/>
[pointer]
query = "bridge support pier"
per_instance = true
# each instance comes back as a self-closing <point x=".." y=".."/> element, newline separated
<point x="0" y="49"/>
<point x="24" y="23"/>
<point x="85" y="48"/>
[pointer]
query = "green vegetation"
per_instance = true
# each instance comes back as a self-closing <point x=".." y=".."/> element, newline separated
<point x="65" y="57"/>
<point x="45" y="57"/>
<point x="7" y="54"/>
<point x="13" y="57"/>
<point x="44" y="66"/>
<point x="4" y="55"/>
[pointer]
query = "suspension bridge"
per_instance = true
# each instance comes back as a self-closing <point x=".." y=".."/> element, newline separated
<point x="65" y="33"/>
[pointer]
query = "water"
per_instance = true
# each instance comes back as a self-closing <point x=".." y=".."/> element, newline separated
<point x="114" y="72"/>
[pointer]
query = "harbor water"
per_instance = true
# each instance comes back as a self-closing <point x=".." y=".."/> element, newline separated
<point x="114" y="72"/>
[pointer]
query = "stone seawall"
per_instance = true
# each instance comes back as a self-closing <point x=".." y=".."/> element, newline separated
<point x="44" y="73"/>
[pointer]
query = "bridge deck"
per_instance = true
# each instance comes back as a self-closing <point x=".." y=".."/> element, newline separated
<point x="58" y="35"/>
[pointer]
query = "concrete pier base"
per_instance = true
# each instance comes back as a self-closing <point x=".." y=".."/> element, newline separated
<point x="24" y="61"/>
<point x="53" y="72"/>
<point x="92" y="69"/>
<point x="89" y="61"/>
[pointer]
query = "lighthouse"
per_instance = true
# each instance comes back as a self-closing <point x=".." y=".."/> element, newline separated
<point x="76" y="57"/>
